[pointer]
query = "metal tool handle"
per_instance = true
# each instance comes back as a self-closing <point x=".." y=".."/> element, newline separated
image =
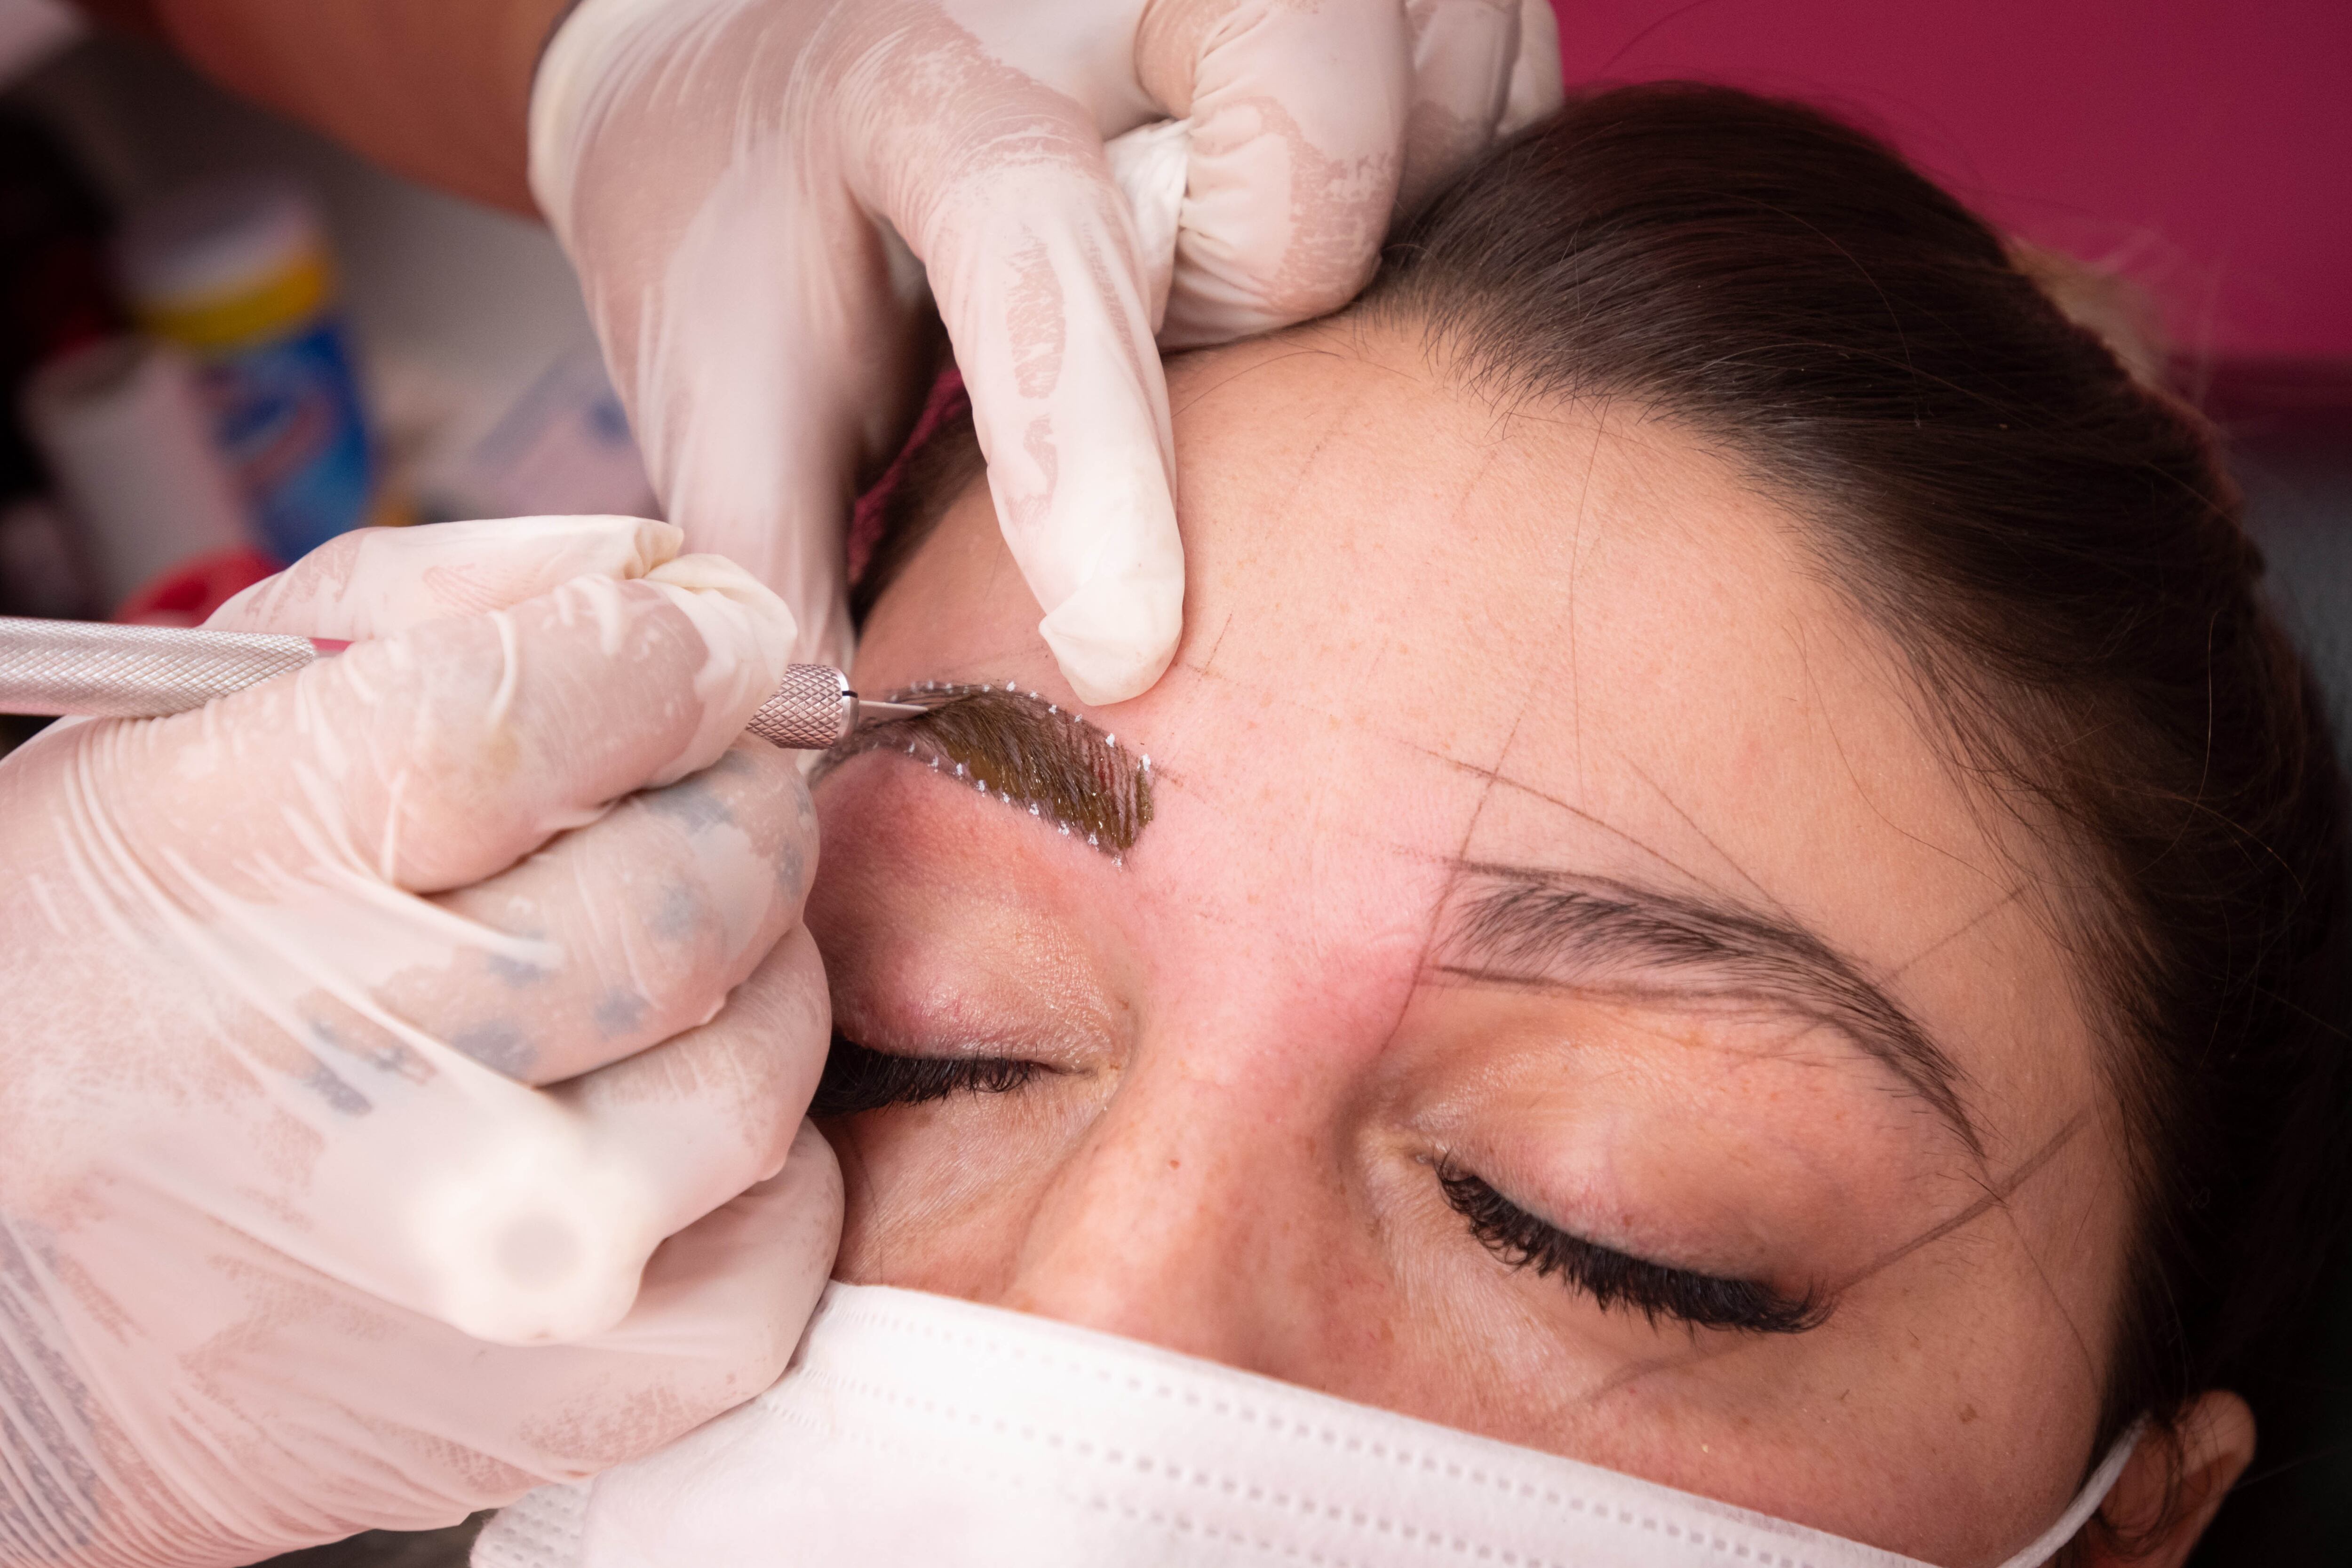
<point x="811" y="709"/>
<point x="142" y="672"/>
<point x="135" y="672"/>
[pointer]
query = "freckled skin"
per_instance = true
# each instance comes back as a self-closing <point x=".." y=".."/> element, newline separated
<point x="1422" y="631"/>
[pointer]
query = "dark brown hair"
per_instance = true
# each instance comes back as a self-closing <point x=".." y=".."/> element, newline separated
<point x="2056" y="549"/>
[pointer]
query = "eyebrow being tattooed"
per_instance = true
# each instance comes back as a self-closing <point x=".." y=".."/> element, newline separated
<point x="1026" y="752"/>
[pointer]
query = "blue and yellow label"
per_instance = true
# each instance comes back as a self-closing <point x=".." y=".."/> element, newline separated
<point x="288" y="416"/>
<point x="286" y="404"/>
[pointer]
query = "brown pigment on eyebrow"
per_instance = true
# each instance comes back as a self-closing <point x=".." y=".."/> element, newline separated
<point x="1024" y="750"/>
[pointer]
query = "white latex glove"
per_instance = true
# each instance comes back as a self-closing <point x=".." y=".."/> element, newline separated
<point x="740" y="184"/>
<point x="280" y="974"/>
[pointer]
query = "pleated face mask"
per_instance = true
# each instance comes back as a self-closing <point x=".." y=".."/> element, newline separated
<point x="918" y="1430"/>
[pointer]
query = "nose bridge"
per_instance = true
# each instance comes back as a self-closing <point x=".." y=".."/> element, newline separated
<point x="1217" y="1204"/>
<point x="1196" y="1211"/>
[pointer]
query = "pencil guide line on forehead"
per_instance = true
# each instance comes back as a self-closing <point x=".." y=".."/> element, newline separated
<point x="1031" y="754"/>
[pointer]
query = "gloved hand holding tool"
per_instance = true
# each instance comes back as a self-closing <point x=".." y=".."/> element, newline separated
<point x="360" y="1048"/>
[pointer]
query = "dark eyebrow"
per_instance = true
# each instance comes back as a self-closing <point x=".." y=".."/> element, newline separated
<point x="1026" y="752"/>
<point x="1521" y="926"/>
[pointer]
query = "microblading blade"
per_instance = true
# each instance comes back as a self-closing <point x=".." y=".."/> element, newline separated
<point x="870" y="711"/>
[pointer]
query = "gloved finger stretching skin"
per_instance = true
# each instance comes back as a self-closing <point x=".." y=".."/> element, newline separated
<point x="973" y="163"/>
<point x="1038" y="283"/>
<point x="733" y="178"/>
<point x="757" y="328"/>
<point x="1536" y="89"/>
<point x="265" y="1198"/>
<point x="1294" y="173"/>
<point x="1465" y="53"/>
<point x="1033" y="258"/>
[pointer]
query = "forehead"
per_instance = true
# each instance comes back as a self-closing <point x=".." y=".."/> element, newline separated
<point x="1572" y="637"/>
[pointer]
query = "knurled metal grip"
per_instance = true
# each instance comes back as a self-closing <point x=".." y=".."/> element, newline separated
<point x="811" y="710"/>
<point x="132" y="672"/>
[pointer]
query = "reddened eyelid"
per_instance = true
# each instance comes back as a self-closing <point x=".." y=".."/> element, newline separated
<point x="895" y="1032"/>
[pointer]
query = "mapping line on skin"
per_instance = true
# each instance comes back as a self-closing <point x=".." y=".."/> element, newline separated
<point x="1027" y="752"/>
<point x="1994" y="1197"/>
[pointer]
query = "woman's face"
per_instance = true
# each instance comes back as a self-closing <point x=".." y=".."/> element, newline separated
<point x="1548" y="869"/>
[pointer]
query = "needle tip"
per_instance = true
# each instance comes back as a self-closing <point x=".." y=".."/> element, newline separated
<point x="869" y="710"/>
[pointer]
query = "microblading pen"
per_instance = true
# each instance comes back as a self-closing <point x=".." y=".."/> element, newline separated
<point x="60" y="668"/>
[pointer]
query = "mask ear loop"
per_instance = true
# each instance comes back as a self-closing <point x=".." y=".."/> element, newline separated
<point x="2086" y="1503"/>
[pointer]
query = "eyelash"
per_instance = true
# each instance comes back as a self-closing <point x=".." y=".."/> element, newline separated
<point x="1611" y="1279"/>
<point x="859" y="1078"/>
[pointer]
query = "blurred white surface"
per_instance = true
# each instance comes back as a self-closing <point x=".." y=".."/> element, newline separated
<point x="562" y="447"/>
<point x="128" y="440"/>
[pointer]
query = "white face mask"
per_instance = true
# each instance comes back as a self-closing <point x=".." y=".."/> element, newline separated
<point x="915" y="1429"/>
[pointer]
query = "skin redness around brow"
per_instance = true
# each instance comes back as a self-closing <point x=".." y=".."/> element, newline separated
<point x="1026" y="752"/>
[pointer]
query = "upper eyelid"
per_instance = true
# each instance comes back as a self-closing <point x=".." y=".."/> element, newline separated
<point x="1451" y="1172"/>
<point x="973" y="1050"/>
<point x="1048" y="1049"/>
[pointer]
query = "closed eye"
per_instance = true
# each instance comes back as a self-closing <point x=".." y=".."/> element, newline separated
<point x="1613" y="1279"/>
<point x="857" y="1077"/>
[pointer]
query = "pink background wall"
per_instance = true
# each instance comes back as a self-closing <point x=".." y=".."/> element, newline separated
<point x="2202" y="146"/>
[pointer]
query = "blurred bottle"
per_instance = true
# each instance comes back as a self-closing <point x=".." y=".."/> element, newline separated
<point x="236" y="271"/>
<point x="127" y="437"/>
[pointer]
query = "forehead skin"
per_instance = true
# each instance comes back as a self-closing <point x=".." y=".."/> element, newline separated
<point x="1422" y="631"/>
